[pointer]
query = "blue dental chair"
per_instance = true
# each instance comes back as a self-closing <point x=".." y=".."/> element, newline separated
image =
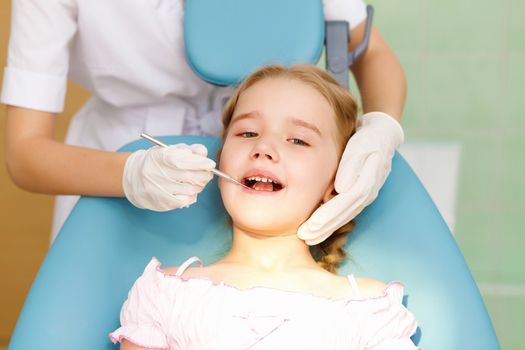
<point x="106" y="242"/>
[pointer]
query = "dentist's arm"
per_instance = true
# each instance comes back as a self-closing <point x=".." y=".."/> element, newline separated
<point x="158" y="179"/>
<point x="379" y="75"/>
<point x="39" y="163"/>
<point x="367" y="158"/>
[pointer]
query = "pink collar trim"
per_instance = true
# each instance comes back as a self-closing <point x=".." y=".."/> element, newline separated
<point x="390" y="287"/>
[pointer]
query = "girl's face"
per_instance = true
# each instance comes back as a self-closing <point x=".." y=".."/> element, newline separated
<point x="281" y="143"/>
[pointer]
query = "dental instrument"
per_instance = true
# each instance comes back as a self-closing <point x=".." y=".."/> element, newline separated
<point x="215" y="171"/>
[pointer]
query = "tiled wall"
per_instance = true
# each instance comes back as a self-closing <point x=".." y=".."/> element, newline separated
<point x="465" y="62"/>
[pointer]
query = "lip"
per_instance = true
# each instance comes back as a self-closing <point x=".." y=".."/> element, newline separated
<point x="262" y="173"/>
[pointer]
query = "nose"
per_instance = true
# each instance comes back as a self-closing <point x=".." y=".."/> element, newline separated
<point x="265" y="149"/>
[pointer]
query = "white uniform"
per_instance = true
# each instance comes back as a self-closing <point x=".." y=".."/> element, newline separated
<point x="130" y="55"/>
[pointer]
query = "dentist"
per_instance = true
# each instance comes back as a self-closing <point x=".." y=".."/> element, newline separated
<point x="130" y="56"/>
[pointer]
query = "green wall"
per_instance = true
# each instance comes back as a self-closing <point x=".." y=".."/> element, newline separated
<point x="465" y="63"/>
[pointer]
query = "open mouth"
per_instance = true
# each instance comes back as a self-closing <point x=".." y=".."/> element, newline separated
<point x="261" y="183"/>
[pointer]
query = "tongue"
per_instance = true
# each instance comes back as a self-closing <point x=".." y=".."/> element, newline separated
<point x="263" y="186"/>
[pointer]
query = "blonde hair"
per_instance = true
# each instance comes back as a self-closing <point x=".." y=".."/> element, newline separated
<point x="330" y="253"/>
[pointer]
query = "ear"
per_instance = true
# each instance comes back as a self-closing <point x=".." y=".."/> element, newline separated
<point x="329" y="193"/>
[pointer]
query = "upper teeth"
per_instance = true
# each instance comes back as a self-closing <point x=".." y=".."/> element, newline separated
<point x="260" y="179"/>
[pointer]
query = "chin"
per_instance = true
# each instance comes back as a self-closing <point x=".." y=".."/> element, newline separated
<point x="264" y="214"/>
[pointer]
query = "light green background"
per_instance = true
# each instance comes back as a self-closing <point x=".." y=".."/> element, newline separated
<point x="465" y="64"/>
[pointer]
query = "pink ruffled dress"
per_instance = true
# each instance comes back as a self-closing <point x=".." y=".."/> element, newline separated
<point x="171" y="312"/>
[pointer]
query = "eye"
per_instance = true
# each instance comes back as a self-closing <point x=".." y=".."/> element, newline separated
<point x="247" y="134"/>
<point x="298" y="142"/>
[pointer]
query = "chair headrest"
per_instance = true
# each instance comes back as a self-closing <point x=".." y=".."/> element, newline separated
<point x="227" y="40"/>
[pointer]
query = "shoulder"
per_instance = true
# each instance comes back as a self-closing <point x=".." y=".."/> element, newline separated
<point x="184" y="268"/>
<point x="389" y="323"/>
<point x="169" y="270"/>
<point x="371" y="288"/>
<point x="192" y="268"/>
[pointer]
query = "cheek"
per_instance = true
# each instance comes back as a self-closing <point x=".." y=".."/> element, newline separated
<point x="318" y="171"/>
<point x="229" y="163"/>
<point x="226" y="156"/>
<point x="312" y="180"/>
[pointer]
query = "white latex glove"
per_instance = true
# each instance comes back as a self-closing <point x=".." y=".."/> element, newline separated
<point x="363" y="169"/>
<point x="165" y="178"/>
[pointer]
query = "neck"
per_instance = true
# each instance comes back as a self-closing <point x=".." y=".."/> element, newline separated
<point x="269" y="253"/>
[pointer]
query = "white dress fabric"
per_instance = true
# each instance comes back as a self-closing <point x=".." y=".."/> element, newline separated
<point x="172" y="312"/>
<point x="130" y="56"/>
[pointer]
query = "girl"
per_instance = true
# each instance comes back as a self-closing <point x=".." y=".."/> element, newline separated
<point x="284" y="132"/>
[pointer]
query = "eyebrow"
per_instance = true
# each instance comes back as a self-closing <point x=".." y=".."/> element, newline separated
<point x="295" y="121"/>
<point x="242" y="116"/>
<point x="304" y="124"/>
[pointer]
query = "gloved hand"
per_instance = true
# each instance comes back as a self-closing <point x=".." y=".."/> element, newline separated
<point x="165" y="178"/>
<point x="363" y="169"/>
